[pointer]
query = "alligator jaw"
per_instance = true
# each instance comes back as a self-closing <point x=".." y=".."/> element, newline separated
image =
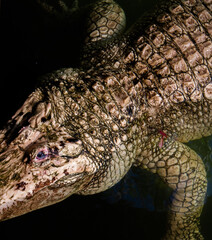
<point x="39" y="164"/>
<point x="28" y="197"/>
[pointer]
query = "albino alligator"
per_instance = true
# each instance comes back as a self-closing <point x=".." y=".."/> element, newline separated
<point x="134" y="101"/>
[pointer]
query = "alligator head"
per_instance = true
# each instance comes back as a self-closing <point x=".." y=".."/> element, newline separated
<point x="40" y="163"/>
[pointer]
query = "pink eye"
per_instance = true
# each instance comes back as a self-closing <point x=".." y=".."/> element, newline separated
<point x="42" y="155"/>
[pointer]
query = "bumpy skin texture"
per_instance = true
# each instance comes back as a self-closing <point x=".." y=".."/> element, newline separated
<point x="133" y="101"/>
<point x="104" y="21"/>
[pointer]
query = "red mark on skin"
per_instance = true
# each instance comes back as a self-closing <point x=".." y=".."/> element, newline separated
<point x="162" y="139"/>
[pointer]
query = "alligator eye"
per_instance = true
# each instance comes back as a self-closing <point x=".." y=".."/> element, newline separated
<point x="42" y="155"/>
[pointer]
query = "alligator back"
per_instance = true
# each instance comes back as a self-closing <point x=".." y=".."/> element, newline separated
<point x="169" y="59"/>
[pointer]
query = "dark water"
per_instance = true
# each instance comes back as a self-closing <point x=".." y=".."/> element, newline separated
<point x="35" y="43"/>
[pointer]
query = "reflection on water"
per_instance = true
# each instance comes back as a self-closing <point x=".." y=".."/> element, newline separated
<point x="135" y="207"/>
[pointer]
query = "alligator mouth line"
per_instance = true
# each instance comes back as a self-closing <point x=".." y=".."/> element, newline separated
<point x="67" y="180"/>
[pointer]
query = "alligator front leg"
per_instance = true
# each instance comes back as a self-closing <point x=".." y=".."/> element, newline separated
<point x="183" y="170"/>
<point x="105" y="20"/>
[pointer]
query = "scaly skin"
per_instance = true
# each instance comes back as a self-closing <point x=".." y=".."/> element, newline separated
<point x="134" y="101"/>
